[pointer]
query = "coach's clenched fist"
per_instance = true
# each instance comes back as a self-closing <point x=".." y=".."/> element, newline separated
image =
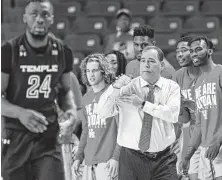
<point x="33" y="121"/>
<point x="122" y="81"/>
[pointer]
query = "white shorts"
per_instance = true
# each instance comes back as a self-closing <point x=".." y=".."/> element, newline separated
<point x="96" y="172"/>
<point x="209" y="169"/>
<point x="194" y="162"/>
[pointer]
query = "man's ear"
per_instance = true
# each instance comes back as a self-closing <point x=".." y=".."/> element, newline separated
<point x="154" y="42"/>
<point x="210" y="51"/>
<point x="162" y="65"/>
<point x="52" y="20"/>
<point x="24" y="18"/>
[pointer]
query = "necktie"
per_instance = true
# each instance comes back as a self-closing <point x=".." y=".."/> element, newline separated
<point x="145" y="134"/>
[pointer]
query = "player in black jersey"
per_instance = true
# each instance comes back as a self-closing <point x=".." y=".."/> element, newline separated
<point x="32" y="66"/>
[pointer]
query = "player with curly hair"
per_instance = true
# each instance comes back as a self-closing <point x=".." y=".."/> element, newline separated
<point x="98" y="140"/>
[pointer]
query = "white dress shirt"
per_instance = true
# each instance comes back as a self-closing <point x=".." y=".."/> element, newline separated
<point x="165" y="112"/>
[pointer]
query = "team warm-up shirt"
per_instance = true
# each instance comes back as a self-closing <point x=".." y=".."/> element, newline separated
<point x="34" y="74"/>
<point x="186" y="83"/>
<point x="99" y="136"/>
<point x="208" y="94"/>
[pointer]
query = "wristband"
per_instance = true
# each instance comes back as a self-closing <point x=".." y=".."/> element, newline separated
<point x="143" y="104"/>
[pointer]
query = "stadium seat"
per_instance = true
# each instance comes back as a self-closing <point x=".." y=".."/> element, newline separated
<point x="78" y="57"/>
<point x="167" y="25"/>
<point x="167" y="41"/>
<point x="71" y="9"/>
<point x="61" y="27"/>
<point x="6" y="4"/>
<point x="201" y="24"/>
<point x="217" y="57"/>
<point x="215" y="37"/>
<point x="143" y="8"/>
<point x="13" y="15"/>
<point x="22" y="3"/>
<point x="82" y="2"/>
<point x="10" y="30"/>
<point x="84" y="43"/>
<point x="69" y="1"/>
<point x="96" y="25"/>
<point x="126" y="1"/>
<point x="102" y="9"/>
<point x="183" y="0"/>
<point x="180" y="8"/>
<point x="136" y="21"/>
<point x="212" y="8"/>
<point x="11" y="34"/>
<point x="171" y="58"/>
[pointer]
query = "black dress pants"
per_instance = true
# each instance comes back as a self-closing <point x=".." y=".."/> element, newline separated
<point x="135" y="165"/>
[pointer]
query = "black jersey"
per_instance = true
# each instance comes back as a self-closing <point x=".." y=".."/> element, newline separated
<point x="34" y="75"/>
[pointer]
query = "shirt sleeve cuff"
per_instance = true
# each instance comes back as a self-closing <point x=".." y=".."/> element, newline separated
<point x="116" y="153"/>
<point x="149" y="107"/>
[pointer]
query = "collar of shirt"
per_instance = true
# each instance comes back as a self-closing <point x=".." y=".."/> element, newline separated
<point x="119" y="33"/>
<point x="159" y="83"/>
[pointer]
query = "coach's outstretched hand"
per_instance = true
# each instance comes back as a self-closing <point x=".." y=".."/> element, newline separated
<point x="33" y="121"/>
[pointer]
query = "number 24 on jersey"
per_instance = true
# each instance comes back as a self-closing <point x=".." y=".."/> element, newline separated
<point x="37" y="87"/>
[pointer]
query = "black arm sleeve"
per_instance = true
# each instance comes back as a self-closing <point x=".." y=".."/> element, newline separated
<point x="6" y="58"/>
<point x="68" y="59"/>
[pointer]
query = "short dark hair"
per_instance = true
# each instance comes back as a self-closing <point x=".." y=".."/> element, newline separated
<point x="121" y="60"/>
<point x="187" y="39"/>
<point x="211" y="44"/>
<point x="159" y="51"/>
<point x="143" y="30"/>
<point x="205" y="39"/>
<point x="40" y="1"/>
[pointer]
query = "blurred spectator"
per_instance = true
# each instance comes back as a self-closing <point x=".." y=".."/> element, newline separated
<point x="144" y="36"/>
<point x="122" y="40"/>
<point x="76" y="70"/>
<point x="117" y="62"/>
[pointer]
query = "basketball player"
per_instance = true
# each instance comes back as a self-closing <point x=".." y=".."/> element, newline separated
<point x="143" y="36"/>
<point x="208" y="128"/>
<point x="32" y="66"/>
<point x="186" y="77"/>
<point x="98" y="140"/>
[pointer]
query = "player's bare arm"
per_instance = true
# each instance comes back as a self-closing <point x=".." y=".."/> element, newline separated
<point x="32" y="120"/>
<point x="193" y="145"/>
<point x="68" y="106"/>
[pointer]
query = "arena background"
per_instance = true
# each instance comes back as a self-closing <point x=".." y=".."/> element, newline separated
<point x="83" y="24"/>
